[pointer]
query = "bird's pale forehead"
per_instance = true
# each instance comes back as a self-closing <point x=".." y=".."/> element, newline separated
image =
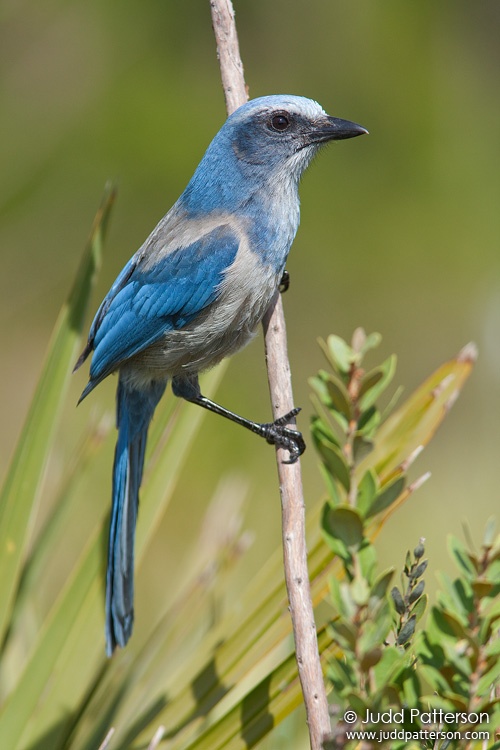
<point x="305" y="107"/>
<point x="294" y="104"/>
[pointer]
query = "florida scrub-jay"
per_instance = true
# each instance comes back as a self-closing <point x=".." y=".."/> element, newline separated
<point x="195" y="292"/>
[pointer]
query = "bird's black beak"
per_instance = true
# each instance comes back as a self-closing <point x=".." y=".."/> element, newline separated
<point x="333" y="129"/>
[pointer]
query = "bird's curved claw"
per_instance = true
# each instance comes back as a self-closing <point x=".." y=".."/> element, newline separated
<point x="276" y="433"/>
<point x="285" y="282"/>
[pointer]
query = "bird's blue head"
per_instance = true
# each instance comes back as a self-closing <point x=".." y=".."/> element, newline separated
<point x="281" y="130"/>
<point x="269" y="140"/>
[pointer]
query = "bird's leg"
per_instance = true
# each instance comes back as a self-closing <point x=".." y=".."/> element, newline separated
<point x="275" y="433"/>
<point x="285" y="282"/>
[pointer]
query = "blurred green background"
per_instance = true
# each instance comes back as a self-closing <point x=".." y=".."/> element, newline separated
<point x="400" y="230"/>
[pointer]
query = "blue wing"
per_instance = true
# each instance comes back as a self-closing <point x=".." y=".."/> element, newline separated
<point x="147" y="300"/>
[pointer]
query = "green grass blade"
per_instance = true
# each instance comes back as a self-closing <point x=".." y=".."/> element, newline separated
<point x="241" y="724"/>
<point x="22" y="487"/>
<point x="68" y="657"/>
<point x="62" y="538"/>
<point x="30" y="702"/>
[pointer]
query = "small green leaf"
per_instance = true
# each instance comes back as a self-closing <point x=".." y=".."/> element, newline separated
<point x="398" y="600"/>
<point x="489" y="533"/>
<point x="335" y="462"/>
<point x="342" y="675"/>
<point x="391" y="663"/>
<point x="367" y="557"/>
<point x="461" y="556"/>
<point x="344" y="523"/>
<point x="375" y="382"/>
<point x="370" y="658"/>
<point x="339" y="549"/>
<point x="381" y="584"/>
<point x="342" y="604"/>
<point x="408" y="563"/>
<point x="360" y="591"/>
<point x="456" y="596"/>
<point x="322" y="432"/>
<point x="419" y="608"/>
<point x="387" y="496"/>
<point x="376" y="630"/>
<point x="417" y="592"/>
<point x="367" y="490"/>
<point x="411" y="689"/>
<point x="448" y="625"/>
<point x="419" y="571"/>
<point x="344" y="633"/>
<point x="361" y="447"/>
<point x="489" y="680"/>
<point x="318" y="384"/>
<point x="336" y="492"/>
<point x="493" y="648"/>
<point x="339" y="397"/>
<point x="483" y="588"/>
<point x="493" y="611"/>
<point x="372" y="341"/>
<point x="337" y="545"/>
<point x="339" y="353"/>
<point x="368" y="422"/>
<point x="339" y="418"/>
<point x="370" y="380"/>
<point x="406" y="631"/>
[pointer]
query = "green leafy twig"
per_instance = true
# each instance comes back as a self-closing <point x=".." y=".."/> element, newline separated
<point x="382" y="661"/>
<point x="409" y="601"/>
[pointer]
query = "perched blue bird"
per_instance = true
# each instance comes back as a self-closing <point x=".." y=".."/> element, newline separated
<point x="195" y="292"/>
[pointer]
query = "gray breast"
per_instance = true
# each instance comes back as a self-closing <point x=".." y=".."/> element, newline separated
<point x="223" y="328"/>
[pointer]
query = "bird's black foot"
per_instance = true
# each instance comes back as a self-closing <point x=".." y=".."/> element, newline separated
<point x="276" y="433"/>
<point x="285" y="282"/>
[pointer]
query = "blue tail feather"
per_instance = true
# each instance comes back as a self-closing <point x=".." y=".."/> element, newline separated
<point x="135" y="408"/>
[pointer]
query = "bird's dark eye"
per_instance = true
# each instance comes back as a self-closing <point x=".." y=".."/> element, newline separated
<point x="280" y="122"/>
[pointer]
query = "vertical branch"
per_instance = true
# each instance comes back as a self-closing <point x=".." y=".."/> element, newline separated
<point x="228" y="54"/>
<point x="290" y="477"/>
<point x="294" y="536"/>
